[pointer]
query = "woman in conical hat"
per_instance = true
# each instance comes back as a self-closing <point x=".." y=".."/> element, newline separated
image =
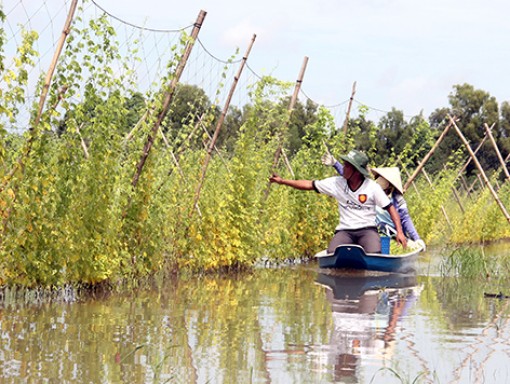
<point x="390" y="181"/>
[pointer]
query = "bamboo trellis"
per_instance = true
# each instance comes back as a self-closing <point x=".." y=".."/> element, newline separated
<point x="351" y="99"/>
<point x="443" y="210"/>
<point x="297" y="87"/>
<point x="496" y="149"/>
<point x="482" y="177"/>
<point x="168" y="97"/>
<point x="427" y="156"/>
<point x="480" y="169"/>
<point x="219" y="124"/>
<point x="279" y="150"/>
<point x="42" y="100"/>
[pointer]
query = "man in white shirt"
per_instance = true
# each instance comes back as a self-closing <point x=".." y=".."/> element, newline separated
<point x="357" y="196"/>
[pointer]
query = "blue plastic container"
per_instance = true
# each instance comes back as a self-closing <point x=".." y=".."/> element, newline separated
<point x="385" y="245"/>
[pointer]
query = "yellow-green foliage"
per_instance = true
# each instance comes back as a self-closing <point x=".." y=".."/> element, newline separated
<point x="483" y="219"/>
<point x="427" y="206"/>
<point x="75" y="211"/>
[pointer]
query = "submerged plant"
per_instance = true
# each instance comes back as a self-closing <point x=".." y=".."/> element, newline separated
<point x="471" y="262"/>
<point x="399" y="376"/>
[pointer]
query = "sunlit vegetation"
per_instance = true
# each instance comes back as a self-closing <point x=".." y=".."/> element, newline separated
<point x="72" y="213"/>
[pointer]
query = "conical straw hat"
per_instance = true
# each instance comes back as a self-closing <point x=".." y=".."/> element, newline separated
<point x="392" y="174"/>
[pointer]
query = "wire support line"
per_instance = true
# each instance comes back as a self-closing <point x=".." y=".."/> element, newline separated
<point x="322" y="105"/>
<point x="369" y="107"/>
<point x="253" y="71"/>
<point x="216" y="58"/>
<point x="137" y="26"/>
<point x="379" y="110"/>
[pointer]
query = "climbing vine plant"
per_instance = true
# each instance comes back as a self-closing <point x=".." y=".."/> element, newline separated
<point x="70" y="213"/>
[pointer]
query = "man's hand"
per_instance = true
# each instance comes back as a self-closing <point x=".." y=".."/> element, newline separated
<point x="328" y="159"/>
<point x="275" y="179"/>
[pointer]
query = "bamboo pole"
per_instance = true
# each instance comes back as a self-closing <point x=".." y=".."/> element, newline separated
<point x="137" y="126"/>
<point x="427" y="156"/>
<point x="466" y="187"/>
<point x="219" y="125"/>
<point x="53" y="65"/>
<point x="482" y="173"/>
<point x="83" y="143"/>
<point x="457" y="198"/>
<point x="468" y="161"/>
<point x="176" y="162"/>
<point x="292" y="103"/>
<point x="498" y="153"/>
<point x="456" y="194"/>
<point x="476" y="180"/>
<point x="442" y="207"/>
<point x="346" y="122"/>
<point x="287" y="163"/>
<point x="168" y="97"/>
<point x="408" y="175"/>
<point x="47" y="82"/>
<point x="206" y="146"/>
<point x="279" y="150"/>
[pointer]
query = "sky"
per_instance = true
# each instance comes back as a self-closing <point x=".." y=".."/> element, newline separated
<point x="405" y="54"/>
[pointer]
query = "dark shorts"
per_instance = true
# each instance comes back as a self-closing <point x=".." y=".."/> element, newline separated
<point x="368" y="238"/>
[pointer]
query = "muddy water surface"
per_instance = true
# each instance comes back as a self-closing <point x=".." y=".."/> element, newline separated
<point x="294" y="324"/>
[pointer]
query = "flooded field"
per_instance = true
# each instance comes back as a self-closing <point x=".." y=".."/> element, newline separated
<point x="296" y="324"/>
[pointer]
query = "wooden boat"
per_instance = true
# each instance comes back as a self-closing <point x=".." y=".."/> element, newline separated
<point x="354" y="256"/>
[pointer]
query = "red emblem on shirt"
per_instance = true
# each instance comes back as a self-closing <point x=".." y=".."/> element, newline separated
<point x="362" y="198"/>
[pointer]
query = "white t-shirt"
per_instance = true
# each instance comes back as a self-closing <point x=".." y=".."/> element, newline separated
<point x="357" y="209"/>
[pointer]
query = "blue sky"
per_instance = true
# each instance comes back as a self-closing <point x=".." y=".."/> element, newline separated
<point x="402" y="53"/>
<point x="406" y="54"/>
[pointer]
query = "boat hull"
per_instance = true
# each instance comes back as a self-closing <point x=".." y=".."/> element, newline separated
<point x="353" y="256"/>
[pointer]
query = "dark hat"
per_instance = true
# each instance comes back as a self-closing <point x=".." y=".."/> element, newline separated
<point x="359" y="160"/>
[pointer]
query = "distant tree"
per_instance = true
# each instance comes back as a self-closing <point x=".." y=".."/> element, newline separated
<point x="230" y="129"/>
<point x="362" y="135"/>
<point x="189" y="103"/>
<point x="135" y="108"/>
<point x="302" y="116"/>
<point x="473" y="108"/>
<point x="392" y="135"/>
<point x="504" y="127"/>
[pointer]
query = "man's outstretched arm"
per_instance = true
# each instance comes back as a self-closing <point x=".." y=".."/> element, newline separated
<point x="303" y="185"/>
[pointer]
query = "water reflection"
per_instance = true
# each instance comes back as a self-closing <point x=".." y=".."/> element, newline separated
<point x="267" y="326"/>
<point x="366" y="310"/>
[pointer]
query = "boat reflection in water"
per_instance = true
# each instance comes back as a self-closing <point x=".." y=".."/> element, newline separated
<point x="367" y="309"/>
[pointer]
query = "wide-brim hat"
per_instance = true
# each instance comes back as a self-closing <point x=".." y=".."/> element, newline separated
<point x="392" y="174"/>
<point x="358" y="160"/>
